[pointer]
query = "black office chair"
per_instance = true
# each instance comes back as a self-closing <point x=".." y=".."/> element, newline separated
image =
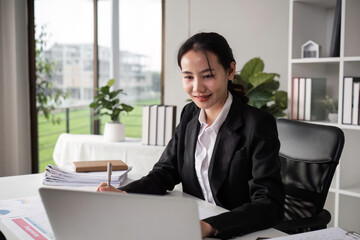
<point x="309" y="154"/>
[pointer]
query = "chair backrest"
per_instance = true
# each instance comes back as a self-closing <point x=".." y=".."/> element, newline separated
<point x="309" y="154"/>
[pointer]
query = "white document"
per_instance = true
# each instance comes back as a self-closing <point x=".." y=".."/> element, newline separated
<point x="334" y="233"/>
<point x="30" y="227"/>
<point x="26" y="218"/>
<point x="19" y="207"/>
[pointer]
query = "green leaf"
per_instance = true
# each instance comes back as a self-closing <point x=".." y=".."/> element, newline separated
<point x="126" y="107"/>
<point x="93" y="105"/>
<point x="260" y="78"/>
<point x="108" y="105"/>
<point x="105" y="89"/>
<point x="110" y="82"/>
<point x="258" y="99"/>
<point x="115" y="93"/>
<point x="281" y="99"/>
<point x="270" y="86"/>
<point x="115" y="115"/>
<point x="115" y="102"/>
<point x="100" y="96"/>
<point x="250" y="68"/>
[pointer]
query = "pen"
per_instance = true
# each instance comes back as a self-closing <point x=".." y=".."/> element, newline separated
<point x="109" y="173"/>
<point x="353" y="235"/>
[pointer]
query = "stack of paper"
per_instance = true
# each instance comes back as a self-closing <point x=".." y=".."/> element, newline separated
<point x="55" y="176"/>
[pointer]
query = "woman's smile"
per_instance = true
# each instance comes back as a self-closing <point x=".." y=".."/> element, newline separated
<point x="203" y="98"/>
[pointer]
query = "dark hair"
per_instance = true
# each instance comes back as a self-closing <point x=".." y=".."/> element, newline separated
<point x="212" y="42"/>
<point x="217" y="44"/>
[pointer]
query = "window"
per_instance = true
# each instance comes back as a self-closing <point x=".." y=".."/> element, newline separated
<point x="129" y="50"/>
<point x="136" y="62"/>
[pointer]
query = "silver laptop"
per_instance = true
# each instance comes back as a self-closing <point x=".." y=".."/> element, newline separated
<point x="92" y="215"/>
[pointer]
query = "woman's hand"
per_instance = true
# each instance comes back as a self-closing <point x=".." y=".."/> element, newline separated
<point x="206" y="229"/>
<point x="103" y="187"/>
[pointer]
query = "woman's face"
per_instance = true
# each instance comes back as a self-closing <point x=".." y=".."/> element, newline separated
<point x="207" y="91"/>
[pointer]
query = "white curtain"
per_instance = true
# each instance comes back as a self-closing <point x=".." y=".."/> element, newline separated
<point x="15" y="141"/>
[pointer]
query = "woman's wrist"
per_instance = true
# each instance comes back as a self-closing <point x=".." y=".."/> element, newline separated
<point x="207" y="230"/>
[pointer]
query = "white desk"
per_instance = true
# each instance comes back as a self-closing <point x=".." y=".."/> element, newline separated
<point x="77" y="147"/>
<point x="28" y="185"/>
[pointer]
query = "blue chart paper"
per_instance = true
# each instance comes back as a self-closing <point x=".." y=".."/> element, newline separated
<point x="26" y="218"/>
<point x="4" y="212"/>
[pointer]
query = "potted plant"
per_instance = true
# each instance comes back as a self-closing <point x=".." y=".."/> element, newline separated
<point x="331" y="105"/>
<point x="261" y="88"/>
<point x="106" y="102"/>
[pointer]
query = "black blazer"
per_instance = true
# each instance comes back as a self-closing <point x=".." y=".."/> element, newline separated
<point x="244" y="172"/>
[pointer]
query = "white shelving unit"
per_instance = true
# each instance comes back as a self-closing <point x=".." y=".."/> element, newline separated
<point x="313" y="20"/>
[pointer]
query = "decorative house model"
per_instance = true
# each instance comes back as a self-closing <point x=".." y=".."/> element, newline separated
<point x="310" y="50"/>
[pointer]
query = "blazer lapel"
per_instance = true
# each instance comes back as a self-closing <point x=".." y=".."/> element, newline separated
<point x="191" y="134"/>
<point x="225" y="145"/>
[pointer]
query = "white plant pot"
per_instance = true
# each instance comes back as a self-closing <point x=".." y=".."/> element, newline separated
<point x="114" y="132"/>
<point x="333" y="117"/>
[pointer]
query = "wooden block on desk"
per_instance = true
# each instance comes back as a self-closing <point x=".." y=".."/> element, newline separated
<point x="98" y="166"/>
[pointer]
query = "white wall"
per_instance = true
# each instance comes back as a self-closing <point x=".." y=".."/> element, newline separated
<point x="253" y="28"/>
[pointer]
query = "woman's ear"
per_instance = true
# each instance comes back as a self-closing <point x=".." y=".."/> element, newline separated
<point x="231" y="71"/>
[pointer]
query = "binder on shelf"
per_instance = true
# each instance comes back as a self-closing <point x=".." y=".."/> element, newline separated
<point x="348" y="99"/>
<point x="145" y="125"/>
<point x="355" y="109"/>
<point x="160" y="135"/>
<point x="295" y="98"/>
<point x="308" y="96"/>
<point x="158" y="124"/>
<point x="153" y="124"/>
<point x="335" y="37"/>
<point x="315" y="92"/>
<point x="170" y="123"/>
<point x="301" y="110"/>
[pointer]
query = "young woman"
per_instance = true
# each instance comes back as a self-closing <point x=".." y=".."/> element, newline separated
<point x="223" y="150"/>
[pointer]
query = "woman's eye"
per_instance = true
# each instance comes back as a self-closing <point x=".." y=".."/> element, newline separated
<point x="188" y="77"/>
<point x="208" y="76"/>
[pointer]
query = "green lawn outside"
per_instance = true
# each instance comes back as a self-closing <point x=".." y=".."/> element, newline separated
<point x="80" y="123"/>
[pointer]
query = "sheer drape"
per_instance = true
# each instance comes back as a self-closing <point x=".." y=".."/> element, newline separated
<point x="15" y="141"/>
